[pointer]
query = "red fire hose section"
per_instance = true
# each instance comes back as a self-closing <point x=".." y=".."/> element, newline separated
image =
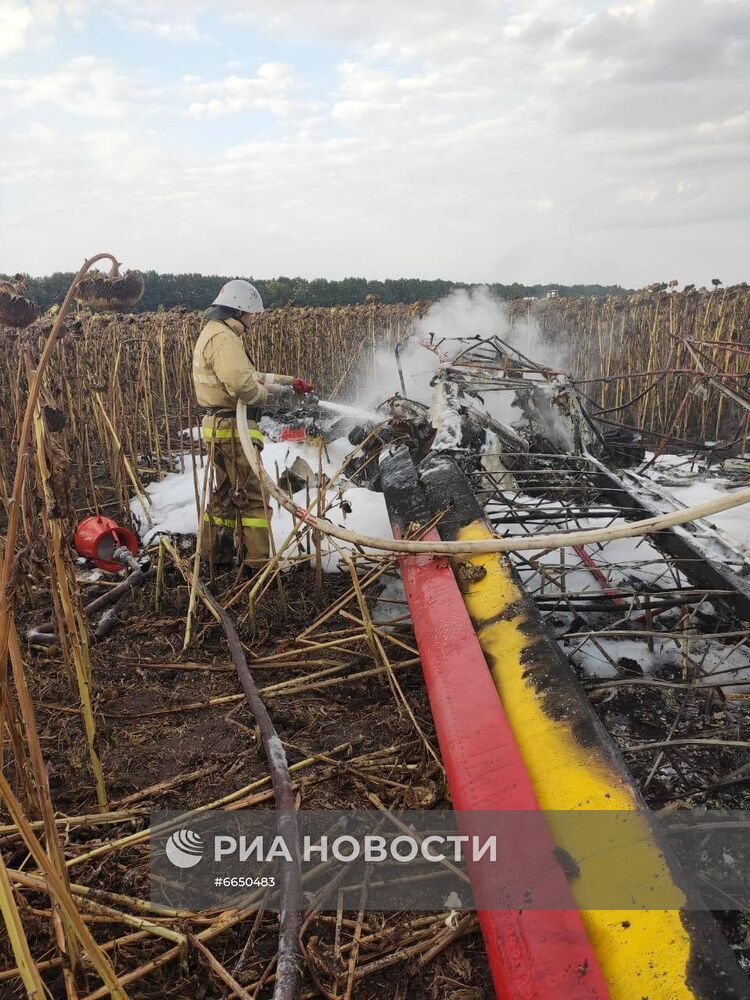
<point x="597" y="574"/>
<point x="532" y="953"/>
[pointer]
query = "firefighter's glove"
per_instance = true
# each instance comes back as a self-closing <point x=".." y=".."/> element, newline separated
<point x="301" y="386"/>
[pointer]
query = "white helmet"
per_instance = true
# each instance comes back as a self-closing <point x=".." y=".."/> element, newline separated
<point x="239" y="294"/>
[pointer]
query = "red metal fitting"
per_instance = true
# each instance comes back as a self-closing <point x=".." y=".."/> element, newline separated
<point x="97" y="538"/>
<point x="293" y="434"/>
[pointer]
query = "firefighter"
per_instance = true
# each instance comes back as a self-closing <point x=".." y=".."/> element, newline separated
<point x="236" y="519"/>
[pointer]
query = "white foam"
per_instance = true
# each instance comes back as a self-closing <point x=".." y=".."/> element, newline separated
<point x="174" y="510"/>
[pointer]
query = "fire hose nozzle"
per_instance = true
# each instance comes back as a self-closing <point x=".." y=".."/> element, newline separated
<point x="122" y="554"/>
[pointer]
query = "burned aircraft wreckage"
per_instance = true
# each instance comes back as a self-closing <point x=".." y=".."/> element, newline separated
<point x="505" y="446"/>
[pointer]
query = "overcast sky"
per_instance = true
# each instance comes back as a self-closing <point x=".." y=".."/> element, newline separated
<point x="475" y="140"/>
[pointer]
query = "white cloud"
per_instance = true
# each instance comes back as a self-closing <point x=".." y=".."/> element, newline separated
<point x="86" y="86"/>
<point x="24" y="23"/>
<point x="15" y="22"/>
<point x="477" y="139"/>
<point x="352" y="20"/>
<point x="271" y="89"/>
<point x="177" y="31"/>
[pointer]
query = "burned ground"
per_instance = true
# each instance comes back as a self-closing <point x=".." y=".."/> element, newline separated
<point x="156" y="724"/>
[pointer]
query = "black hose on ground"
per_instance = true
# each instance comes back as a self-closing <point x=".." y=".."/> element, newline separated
<point x="45" y="634"/>
<point x="111" y="616"/>
<point x="290" y="916"/>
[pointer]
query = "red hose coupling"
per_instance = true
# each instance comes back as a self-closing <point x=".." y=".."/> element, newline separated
<point x="97" y="537"/>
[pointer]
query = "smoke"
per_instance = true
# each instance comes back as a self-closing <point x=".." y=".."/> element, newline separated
<point x="473" y="312"/>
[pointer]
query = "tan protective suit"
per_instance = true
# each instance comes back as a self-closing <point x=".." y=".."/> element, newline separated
<point x="236" y="517"/>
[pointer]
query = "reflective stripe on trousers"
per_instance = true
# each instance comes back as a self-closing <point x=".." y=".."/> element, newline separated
<point x="231" y="522"/>
<point x="227" y="433"/>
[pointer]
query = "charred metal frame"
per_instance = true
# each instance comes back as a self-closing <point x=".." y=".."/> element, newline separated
<point x="532" y="593"/>
<point x="676" y="542"/>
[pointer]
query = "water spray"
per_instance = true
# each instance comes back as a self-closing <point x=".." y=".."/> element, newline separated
<point x="355" y="412"/>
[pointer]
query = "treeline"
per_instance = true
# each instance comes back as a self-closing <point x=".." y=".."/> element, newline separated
<point x="196" y="291"/>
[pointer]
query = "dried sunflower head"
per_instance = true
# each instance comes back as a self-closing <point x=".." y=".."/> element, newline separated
<point x="113" y="291"/>
<point x="16" y="309"/>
